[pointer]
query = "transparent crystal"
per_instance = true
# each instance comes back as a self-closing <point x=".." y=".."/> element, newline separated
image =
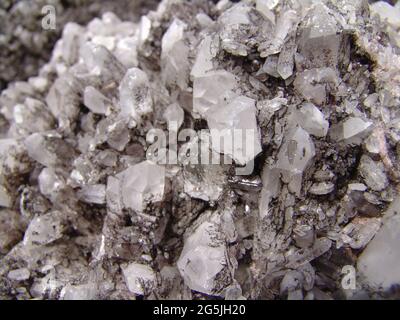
<point x="141" y="184"/>
<point x="236" y="123"/>
<point x="379" y="261"/>
<point x="311" y="119"/>
<point x="93" y="193"/>
<point x="138" y="277"/>
<point x="202" y="257"/>
<point x="135" y="95"/>
<point x="19" y="274"/>
<point x="212" y="90"/>
<point x="294" y="156"/>
<point x="174" y="55"/>
<point x="350" y="130"/>
<point x="95" y="101"/>
<point x="373" y="173"/>
<point x="44" y="229"/>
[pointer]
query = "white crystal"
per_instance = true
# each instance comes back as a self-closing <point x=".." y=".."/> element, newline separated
<point x="321" y="188"/>
<point x="174" y="55"/>
<point x="294" y="156"/>
<point x="212" y="90"/>
<point x="202" y="257"/>
<point x="101" y="62"/>
<point x="142" y="183"/>
<point x="95" y="101"/>
<point x="33" y="116"/>
<point x="312" y="84"/>
<point x="144" y="29"/>
<point x="320" y="41"/>
<point x="379" y="262"/>
<point x="237" y="124"/>
<point x="285" y="24"/>
<point x="138" y="277"/>
<point x="79" y="292"/>
<point x="135" y="95"/>
<point x="174" y="116"/>
<point x="113" y="194"/>
<point x="48" y="148"/>
<point x="386" y="12"/>
<point x="44" y="229"/>
<point x="19" y="274"/>
<point x="205" y="54"/>
<point x="311" y="119"/>
<point x="5" y="198"/>
<point x="350" y="130"/>
<point x="126" y="51"/>
<point x="50" y="183"/>
<point x="72" y="37"/>
<point x="360" y="231"/>
<point x="95" y="193"/>
<point x="373" y="173"/>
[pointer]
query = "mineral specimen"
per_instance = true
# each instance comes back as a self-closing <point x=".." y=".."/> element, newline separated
<point x="232" y="149"/>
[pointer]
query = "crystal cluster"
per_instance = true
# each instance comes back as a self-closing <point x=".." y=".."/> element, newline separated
<point x="232" y="149"/>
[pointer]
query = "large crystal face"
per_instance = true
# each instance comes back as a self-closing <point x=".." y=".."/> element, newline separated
<point x="141" y="184"/>
<point x="134" y="94"/>
<point x="203" y="257"/>
<point x="235" y="125"/>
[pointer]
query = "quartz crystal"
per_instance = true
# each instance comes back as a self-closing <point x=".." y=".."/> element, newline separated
<point x="134" y="94"/>
<point x="141" y="184"/>
<point x="236" y="123"/>
<point x="350" y="130"/>
<point x="378" y="262"/>
<point x="138" y="277"/>
<point x="311" y="119"/>
<point x="199" y="150"/>
<point x="203" y="257"/>
<point x="295" y="156"/>
<point x="95" y="101"/>
<point x="44" y="229"/>
<point x="213" y="89"/>
<point x="174" y="55"/>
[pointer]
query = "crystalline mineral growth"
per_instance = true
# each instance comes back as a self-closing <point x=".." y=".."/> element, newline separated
<point x="85" y="212"/>
<point x="44" y="229"/>
<point x="32" y="116"/>
<point x="135" y="95"/>
<point x="236" y="124"/>
<point x="174" y="116"/>
<point x="235" y="24"/>
<point x="174" y="56"/>
<point x="63" y="99"/>
<point x="206" y="52"/>
<point x="320" y="41"/>
<point x="294" y="156"/>
<point x="93" y="193"/>
<point x="285" y="25"/>
<point x="49" y="149"/>
<point x="139" y="278"/>
<point x="351" y="130"/>
<point x="378" y="264"/>
<point x="203" y="257"/>
<point x="311" y="119"/>
<point x="141" y="184"/>
<point x="314" y="84"/>
<point x="100" y="62"/>
<point x="95" y="101"/>
<point x="213" y="89"/>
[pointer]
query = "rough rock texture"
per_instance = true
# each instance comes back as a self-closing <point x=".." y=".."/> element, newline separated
<point x="25" y="46"/>
<point x="105" y="193"/>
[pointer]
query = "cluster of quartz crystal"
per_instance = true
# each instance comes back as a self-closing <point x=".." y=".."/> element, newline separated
<point x="90" y="212"/>
<point x="25" y="45"/>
